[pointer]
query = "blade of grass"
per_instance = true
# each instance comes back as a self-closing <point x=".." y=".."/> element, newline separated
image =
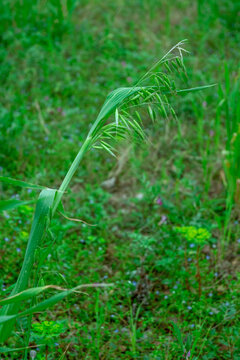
<point x="197" y="88"/>
<point x="46" y="304"/>
<point x="12" y="204"/>
<point x="23" y="184"/>
<point x="27" y="294"/>
<point x="177" y="333"/>
<point x="39" y="226"/>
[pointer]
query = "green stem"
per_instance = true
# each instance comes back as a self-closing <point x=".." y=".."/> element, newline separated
<point x="198" y="275"/>
<point x="70" y="173"/>
<point x="33" y="302"/>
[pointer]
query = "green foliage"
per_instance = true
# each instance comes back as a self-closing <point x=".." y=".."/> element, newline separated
<point x="193" y="234"/>
<point x="47" y="330"/>
<point x="59" y="59"/>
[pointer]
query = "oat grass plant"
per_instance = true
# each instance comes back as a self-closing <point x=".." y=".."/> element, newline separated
<point x="118" y="119"/>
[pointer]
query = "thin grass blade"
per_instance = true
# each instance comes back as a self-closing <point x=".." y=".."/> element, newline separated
<point x="20" y="183"/>
<point x="10" y="204"/>
<point x="27" y="294"/>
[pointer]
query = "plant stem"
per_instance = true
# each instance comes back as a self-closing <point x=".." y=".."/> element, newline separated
<point x="198" y="275"/>
<point x="71" y="172"/>
<point x="186" y="268"/>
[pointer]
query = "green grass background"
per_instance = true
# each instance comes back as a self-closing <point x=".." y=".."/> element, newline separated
<point x="59" y="60"/>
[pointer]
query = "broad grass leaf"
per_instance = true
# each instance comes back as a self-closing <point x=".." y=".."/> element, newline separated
<point x="6" y="318"/>
<point x="39" y="226"/>
<point x="113" y="100"/>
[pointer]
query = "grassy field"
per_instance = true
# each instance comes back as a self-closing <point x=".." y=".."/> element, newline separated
<point x="160" y="221"/>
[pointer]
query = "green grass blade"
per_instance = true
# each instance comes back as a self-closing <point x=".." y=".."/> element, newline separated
<point x="178" y="335"/>
<point x="26" y="294"/>
<point x="39" y="226"/>
<point x="12" y="204"/>
<point x="6" y="349"/>
<point x="20" y="183"/>
<point x="4" y="319"/>
<point x="113" y="100"/>
<point x="197" y="88"/>
<point x="37" y="308"/>
<point x="46" y="304"/>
